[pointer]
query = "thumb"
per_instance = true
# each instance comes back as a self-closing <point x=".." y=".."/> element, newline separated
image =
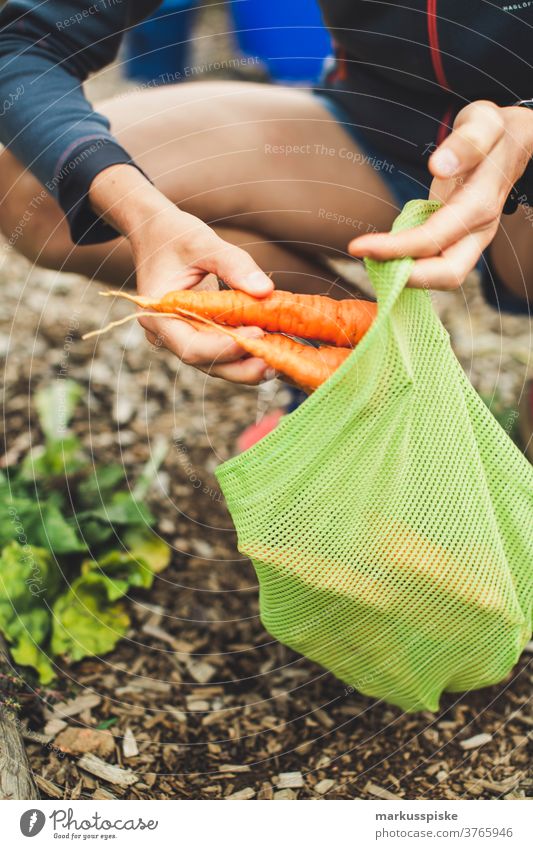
<point x="476" y="131"/>
<point x="238" y="270"/>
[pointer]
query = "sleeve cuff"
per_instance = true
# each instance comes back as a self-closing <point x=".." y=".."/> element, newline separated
<point x="73" y="183"/>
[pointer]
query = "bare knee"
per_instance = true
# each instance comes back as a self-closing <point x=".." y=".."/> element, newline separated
<point x="30" y="220"/>
<point x="35" y="232"/>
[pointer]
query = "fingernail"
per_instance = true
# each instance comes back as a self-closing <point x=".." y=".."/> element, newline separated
<point x="446" y="162"/>
<point x="258" y="282"/>
<point x="269" y="374"/>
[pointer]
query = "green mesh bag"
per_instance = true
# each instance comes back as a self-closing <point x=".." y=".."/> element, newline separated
<point x="390" y="518"/>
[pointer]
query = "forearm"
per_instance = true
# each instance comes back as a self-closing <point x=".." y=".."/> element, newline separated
<point x="123" y="197"/>
<point x="46" y="121"/>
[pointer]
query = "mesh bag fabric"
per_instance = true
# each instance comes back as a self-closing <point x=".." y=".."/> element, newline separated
<point x="390" y="517"/>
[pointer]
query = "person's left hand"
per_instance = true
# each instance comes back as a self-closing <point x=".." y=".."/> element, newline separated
<point x="474" y="170"/>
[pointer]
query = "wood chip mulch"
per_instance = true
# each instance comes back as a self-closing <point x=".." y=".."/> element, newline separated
<point x="199" y="701"/>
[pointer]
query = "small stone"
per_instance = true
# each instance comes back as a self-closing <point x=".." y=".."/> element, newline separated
<point x="99" y="372"/>
<point x="5" y="344"/>
<point x="166" y="526"/>
<point x="76" y="706"/>
<point x="432" y="769"/>
<point x="197" y="704"/>
<point x="100" y="794"/>
<point x="516" y="795"/>
<point x="201" y="671"/>
<point x="178" y="715"/>
<point x="324" y="786"/>
<point x="285" y="794"/>
<point x="288" y="780"/>
<point x="442" y="775"/>
<point x="79" y="741"/>
<point x="202" y="548"/>
<point x="266" y="792"/>
<point x="476" y="741"/>
<point x="380" y="792"/>
<point x="129" y="744"/>
<point x="245" y="793"/>
<point x="54" y="726"/>
<point x="234" y="768"/>
<point x="124" y="409"/>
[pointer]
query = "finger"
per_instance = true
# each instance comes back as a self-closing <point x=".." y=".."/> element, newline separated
<point x="467" y="211"/>
<point x="477" y="129"/>
<point x="238" y="270"/>
<point x="151" y="337"/>
<point x="197" y="347"/>
<point x="449" y="271"/>
<point x="250" y="371"/>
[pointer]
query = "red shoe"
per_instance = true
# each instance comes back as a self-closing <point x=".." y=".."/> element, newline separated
<point x="257" y="431"/>
<point x="526" y="420"/>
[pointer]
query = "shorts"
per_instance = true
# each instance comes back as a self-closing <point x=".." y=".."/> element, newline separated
<point x="406" y="182"/>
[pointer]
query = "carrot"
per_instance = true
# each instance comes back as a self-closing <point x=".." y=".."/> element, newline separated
<point x="303" y="365"/>
<point x="340" y="323"/>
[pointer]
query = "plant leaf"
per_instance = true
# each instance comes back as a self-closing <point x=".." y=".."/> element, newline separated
<point x="84" y="622"/>
<point x="145" y="545"/>
<point x="55" y="406"/>
<point x="27" y="576"/>
<point x="120" y="510"/>
<point x="39" y="523"/>
<point x="107" y="723"/>
<point x="148" y="475"/>
<point x="58" y="534"/>
<point x="56" y="460"/>
<point x="26" y="652"/>
<point x="101" y="483"/>
<point x="120" y="571"/>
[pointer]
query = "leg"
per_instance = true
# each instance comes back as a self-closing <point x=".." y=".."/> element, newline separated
<point x="292" y="271"/>
<point x="33" y="223"/>
<point x="511" y="256"/>
<point x="262" y="158"/>
<point x="511" y="252"/>
<point x="50" y="244"/>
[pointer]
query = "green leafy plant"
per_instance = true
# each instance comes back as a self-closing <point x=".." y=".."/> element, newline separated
<point x="74" y="540"/>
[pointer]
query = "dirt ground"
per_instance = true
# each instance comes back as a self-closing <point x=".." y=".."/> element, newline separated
<point x="215" y="706"/>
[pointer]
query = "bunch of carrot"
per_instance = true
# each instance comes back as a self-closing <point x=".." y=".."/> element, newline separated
<point x="336" y="325"/>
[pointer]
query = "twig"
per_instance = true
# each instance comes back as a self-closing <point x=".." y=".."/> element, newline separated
<point x="16" y="780"/>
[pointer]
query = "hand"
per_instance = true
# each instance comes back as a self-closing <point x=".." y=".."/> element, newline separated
<point x="474" y="170"/>
<point x="174" y="250"/>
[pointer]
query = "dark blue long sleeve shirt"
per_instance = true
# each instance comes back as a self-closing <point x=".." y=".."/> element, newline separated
<point x="47" y="50"/>
<point x="402" y="71"/>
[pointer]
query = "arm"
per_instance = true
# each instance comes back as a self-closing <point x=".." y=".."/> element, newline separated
<point x="174" y="250"/>
<point x="47" y="50"/>
<point x="52" y="129"/>
<point x="473" y="170"/>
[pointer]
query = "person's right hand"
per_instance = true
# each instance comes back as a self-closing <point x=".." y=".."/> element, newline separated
<point x="175" y="250"/>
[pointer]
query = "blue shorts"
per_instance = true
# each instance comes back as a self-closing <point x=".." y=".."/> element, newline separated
<point x="406" y="182"/>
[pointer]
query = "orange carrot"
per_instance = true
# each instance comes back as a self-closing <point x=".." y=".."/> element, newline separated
<point x="341" y="323"/>
<point x="303" y="365"/>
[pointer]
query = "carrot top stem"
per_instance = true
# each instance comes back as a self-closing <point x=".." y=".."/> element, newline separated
<point x="118" y="322"/>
